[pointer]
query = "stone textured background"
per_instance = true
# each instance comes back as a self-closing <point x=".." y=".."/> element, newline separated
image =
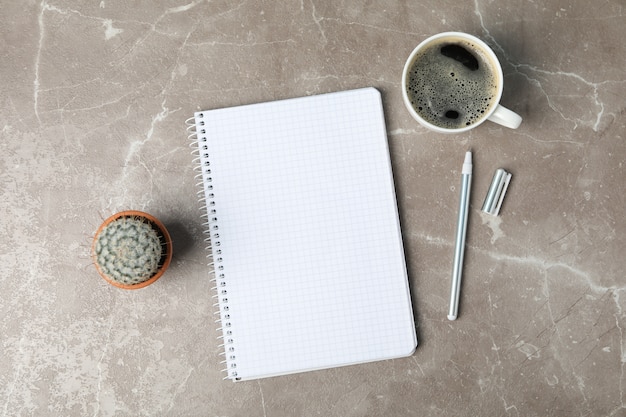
<point x="94" y="99"/>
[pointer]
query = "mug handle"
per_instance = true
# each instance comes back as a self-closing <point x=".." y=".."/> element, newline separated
<point x="505" y="117"/>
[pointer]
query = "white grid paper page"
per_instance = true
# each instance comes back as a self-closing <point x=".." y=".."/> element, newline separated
<point x="309" y="234"/>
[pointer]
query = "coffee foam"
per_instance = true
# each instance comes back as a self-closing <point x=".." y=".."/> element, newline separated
<point x="447" y="93"/>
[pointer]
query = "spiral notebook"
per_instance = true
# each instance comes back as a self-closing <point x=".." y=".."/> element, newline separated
<point x="304" y="233"/>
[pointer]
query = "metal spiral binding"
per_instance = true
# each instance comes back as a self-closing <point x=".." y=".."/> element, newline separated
<point x="198" y="142"/>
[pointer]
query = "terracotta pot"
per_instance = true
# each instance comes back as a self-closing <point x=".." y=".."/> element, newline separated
<point x="164" y="237"/>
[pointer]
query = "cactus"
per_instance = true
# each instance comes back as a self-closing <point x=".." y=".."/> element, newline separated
<point x="129" y="250"/>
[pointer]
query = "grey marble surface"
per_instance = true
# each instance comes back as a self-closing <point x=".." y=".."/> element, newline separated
<point x="94" y="98"/>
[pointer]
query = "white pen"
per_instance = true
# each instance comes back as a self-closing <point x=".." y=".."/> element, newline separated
<point x="461" y="228"/>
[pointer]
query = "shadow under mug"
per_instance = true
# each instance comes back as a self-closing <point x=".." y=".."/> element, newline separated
<point x="495" y="113"/>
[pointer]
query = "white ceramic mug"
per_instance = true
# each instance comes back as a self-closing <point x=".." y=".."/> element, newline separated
<point x="492" y="111"/>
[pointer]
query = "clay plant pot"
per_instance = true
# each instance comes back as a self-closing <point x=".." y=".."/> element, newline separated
<point x="131" y="249"/>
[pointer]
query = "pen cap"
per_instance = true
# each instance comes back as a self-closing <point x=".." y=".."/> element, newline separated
<point x="497" y="190"/>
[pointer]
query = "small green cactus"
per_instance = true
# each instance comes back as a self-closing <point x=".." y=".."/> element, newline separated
<point x="128" y="250"/>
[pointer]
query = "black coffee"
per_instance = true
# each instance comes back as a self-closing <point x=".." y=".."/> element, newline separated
<point x="452" y="83"/>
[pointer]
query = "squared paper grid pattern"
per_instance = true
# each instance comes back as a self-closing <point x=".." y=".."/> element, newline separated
<point x="309" y="234"/>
